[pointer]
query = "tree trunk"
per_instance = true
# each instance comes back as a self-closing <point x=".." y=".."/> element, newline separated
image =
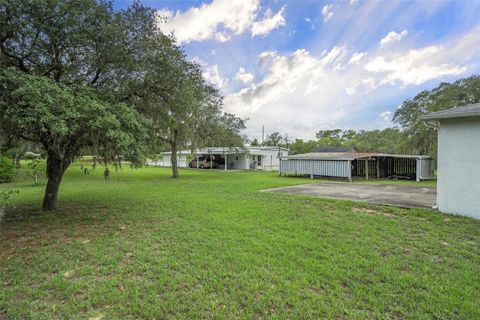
<point x="173" y="144"/>
<point x="55" y="169"/>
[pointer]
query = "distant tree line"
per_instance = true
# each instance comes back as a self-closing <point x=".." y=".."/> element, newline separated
<point x="412" y="136"/>
<point x="387" y="140"/>
<point x="79" y="77"/>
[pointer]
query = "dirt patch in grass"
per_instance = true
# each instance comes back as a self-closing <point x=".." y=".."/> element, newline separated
<point x="373" y="211"/>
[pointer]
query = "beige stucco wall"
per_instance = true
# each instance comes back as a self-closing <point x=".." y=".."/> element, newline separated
<point x="459" y="166"/>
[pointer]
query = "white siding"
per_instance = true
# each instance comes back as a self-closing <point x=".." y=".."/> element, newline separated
<point x="166" y="161"/>
<point x="425" y="169"/>
<point x="238" y="158"/>
<point x="270" y="160"/>
<point x="458" y="183"/>
<point x="327" y="168"/>
<point x="236" y="161"/>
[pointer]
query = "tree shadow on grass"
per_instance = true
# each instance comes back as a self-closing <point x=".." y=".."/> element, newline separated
<point x="72" y="219"/>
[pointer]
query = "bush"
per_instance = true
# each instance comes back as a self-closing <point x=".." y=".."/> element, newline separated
<point x="5" y="201"/>
<point x="29" y="168"/>
<point x="6" y="197"/>
<point x="7" y="169"/>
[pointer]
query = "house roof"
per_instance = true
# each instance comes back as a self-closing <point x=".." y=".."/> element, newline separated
<point x="472" y="110"/>
<point x="349" y="156"/>
<point x="267" y="148"/>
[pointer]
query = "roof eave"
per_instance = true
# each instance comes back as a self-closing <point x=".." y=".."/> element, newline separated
<point x="441" y="116"/>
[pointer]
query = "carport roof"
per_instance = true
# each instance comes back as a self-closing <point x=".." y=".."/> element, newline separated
<point x="235" y="150"/>
<point x="230" y="150"/>
<point x="472" y="110"/>
<point x="350" y="156"/>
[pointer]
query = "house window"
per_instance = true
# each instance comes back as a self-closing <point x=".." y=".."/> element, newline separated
<point x="259" y="162"/>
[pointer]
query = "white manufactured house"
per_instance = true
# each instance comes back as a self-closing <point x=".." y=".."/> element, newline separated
<point x="458" y="177"/>
<point x="246" y="158"/>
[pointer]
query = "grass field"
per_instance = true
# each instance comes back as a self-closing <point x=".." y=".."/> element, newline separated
<point x="209" y="245"/>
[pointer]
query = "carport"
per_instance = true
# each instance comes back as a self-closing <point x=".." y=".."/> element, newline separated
<point x="236" y="158"/>
<point x="356" y="164"/>
<point x="226" y="158"/>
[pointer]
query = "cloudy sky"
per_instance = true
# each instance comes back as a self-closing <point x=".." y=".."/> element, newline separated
<point x="301" y="66"/>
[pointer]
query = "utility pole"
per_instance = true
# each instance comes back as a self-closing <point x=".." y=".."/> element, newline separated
<point x="263" y="134"/>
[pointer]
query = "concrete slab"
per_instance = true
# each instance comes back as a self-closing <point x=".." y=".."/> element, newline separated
<point x="395" y="195"/>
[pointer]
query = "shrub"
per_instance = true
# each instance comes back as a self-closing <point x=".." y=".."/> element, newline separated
<point x="6" y="197"/>
<point x="34" y="167"/>
<point x="5" y="201"/>
<point x="7" y="169"/>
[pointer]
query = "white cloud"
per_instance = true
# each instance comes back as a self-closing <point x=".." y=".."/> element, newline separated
<point x="269" y="23"/>
<point x="283" y="77"/>
<point x="301" y="93"/>
<point x="356" y="57"/>
<point x="297" y="91"/>
<point x="393" y="36"/>
<point x="212" y="75"/>
<point x="265" y="57"/>
<point x="327" y="12"/>
<point x="220" y="20"/>
<point x="335" y="57"/>
<point x="386" y="116"/>
<point x="370" y="83"/>
<point x="353" y="2"/>
<point x="311" y="23"/>
<point x="244" y="76"/>
<point x="415" y="66"/>
<point x="351" y="90"/>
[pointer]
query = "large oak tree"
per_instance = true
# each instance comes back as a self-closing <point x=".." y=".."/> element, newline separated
<point x="66" y="67"/>
<point x="64" y="121"/>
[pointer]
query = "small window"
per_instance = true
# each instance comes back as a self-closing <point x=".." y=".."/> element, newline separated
<point x="236" y="157"/>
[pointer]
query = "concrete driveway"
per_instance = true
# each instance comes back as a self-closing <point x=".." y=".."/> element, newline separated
<point x="395" y="195"/>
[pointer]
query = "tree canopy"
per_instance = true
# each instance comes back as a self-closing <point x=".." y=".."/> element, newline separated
<point x="65" y="67"/>
<point x="419" y="137"/>
<point x="65" y="120"/>
<point x="389" y="140"/>
<point x="273" y="139"/>
<point x="186" y="111"/>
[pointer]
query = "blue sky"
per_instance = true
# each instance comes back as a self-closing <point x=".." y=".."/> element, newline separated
<point x="297" y="67"/>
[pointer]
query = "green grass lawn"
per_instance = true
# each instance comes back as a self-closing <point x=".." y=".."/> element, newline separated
<point x="209" y="245"/>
